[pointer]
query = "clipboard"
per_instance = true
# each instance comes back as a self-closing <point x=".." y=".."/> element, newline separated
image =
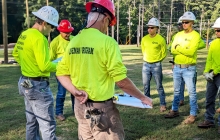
<point x="127" y="100"/>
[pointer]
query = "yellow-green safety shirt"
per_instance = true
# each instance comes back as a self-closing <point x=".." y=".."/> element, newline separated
<point x="32" y="53"/>
<point x="186" y="45"/>
<point x="58" y="46"/>
<point x="201" y="43"/>
<point x="94" y="63"/>
<point x="153" y="48"/>
<point x="213" y="59"/>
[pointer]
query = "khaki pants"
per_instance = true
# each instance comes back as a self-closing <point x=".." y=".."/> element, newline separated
<point x="110" y="126"/>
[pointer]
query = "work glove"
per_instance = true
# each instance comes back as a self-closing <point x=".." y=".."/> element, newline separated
<point x="209" y="76"/>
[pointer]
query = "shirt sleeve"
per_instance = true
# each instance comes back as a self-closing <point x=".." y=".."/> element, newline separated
<point x="201" y="44"/>
<point x="163" y="49"/>
<point x="115" y="67"/>
<point x="15" y="54"/>
<point x="41" y="53"/>
<point x="208" y="64"/>
<point x="53" y="46"/>
<point x="174" y="44"/>
<point x="191" y="49"/>
<point x="63" y="67"/>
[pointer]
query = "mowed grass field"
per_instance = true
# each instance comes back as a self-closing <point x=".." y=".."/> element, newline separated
<point x="139" y="124"/>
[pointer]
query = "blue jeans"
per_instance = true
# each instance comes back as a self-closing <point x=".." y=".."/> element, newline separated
<point x="61" y="94"/>
<point x="211" y="91"/>
<point x="183" y="88"/>
<point x="39" y="110"/>
<point x="188" y="75"/>
<point x="155" y="70"/>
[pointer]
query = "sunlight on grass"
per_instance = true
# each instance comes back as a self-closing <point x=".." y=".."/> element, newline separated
<point x="139" y="124"/>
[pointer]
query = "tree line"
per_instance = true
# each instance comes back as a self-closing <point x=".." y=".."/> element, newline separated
<point x="140" y="11"/>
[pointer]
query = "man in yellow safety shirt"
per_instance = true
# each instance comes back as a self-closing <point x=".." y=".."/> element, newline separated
<point x="153" y="48"/>
<point x="212" y="75"/>
<point x="201" y="46"/>
<point x="184" y="49"/>
<point x="90" y="68"/>
<point x="57" y="48"/>
<point x="32" y="53"/>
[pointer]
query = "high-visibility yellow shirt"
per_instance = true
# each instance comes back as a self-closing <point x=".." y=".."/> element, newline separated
<point x="58" y="46"/>
<point x="94" y="63"/>
<point x="213" y="59"/>
<point x="153" y="48"/>
<point x="201" y="43"/>
<point x="32" y="53"/>
<point x="184" y="47"/>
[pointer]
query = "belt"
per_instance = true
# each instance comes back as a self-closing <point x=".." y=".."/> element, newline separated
<point x="91" y="101"/>
<point x="36" y="78"/>
<point x="152" y="62"/>
<point x="184" y="65"/>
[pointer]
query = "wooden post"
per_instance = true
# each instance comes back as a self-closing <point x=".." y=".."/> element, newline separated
<point x="207" y="36"/>
<point x="118" y="22"/>
<point x="27" y="12"/>
<point x="48" y="38"/>
<point x="113" y="26"/>
<point x="5" y="30"/>
<point x="142" y="21"/>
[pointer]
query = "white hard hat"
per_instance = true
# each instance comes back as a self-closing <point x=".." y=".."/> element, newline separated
<point x="179" y="21"/>
<point x="153" y="22"/>
<point x="48" y="14"/>
<point x="188" y="16"/>
<point x="217" y="23"/>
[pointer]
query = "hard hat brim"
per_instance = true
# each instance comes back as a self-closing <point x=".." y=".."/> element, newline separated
<point x="46" y="20"/>
<point x="88" y="6"/>
<point x="187" y="19"/>
<point x="214" y="26"/>
<point x="65" y="30"/>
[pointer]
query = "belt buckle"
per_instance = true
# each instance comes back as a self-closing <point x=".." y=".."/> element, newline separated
<point x="185" y="66"/>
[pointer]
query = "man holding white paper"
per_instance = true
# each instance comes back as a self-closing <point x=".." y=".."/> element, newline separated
<point x="90" y="69"/>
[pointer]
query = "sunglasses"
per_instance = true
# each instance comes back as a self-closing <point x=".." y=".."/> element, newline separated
<point x="217" y="30"/>
<point x="187" y="22"/>
<point x="150" y="27"/>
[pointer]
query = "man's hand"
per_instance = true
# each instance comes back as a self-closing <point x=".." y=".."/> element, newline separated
<point x="209" y="76"/>
<point x="147" y="100"/>
<point x="81" y="95"/>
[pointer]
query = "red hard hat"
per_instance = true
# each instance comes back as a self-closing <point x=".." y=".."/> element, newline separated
<point x="65" y="26"/>
<point x="107" y="4"/>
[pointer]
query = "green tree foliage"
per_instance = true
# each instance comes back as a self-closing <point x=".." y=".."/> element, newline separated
<point x="14" y="19"/>
<point x="74" y="10"/>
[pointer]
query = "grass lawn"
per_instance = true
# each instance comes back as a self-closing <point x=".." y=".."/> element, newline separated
<point x="139" y="124"/>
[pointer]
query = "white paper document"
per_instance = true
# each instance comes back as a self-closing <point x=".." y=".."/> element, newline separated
<point x="127" y="100"/>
